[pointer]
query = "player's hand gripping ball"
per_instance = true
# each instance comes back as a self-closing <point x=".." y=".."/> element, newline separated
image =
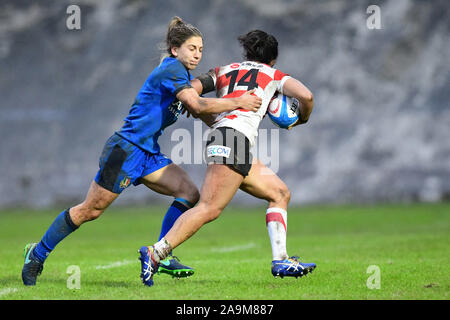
<point x="284" y="111"/>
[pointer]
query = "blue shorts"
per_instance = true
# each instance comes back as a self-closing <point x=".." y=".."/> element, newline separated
<point x="123" y="163"/>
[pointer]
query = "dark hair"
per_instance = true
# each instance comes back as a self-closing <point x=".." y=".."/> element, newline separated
<point x="259" y="46"/>
<point x="177" y="33"/>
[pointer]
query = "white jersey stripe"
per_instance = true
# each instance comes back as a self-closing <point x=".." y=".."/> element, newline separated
<point x="266" y="86"/>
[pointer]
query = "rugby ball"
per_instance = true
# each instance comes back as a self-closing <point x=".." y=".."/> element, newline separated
<point x="283" y="110"/>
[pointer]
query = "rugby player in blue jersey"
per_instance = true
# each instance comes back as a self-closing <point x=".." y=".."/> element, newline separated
<point x="132" y="154"/>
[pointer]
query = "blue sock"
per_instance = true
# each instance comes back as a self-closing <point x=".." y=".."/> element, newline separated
<point x="59" y="229"/>
<point x="176" y="209"/>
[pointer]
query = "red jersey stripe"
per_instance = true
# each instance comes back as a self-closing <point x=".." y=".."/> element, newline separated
<point x="279" y="75"/>
<point x="235" y="94"/>
<point x="263" y="80"/>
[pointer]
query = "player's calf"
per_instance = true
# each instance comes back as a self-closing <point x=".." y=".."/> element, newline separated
<point x="279" y="196"/>
<point x="188" y="191"/>
<point x="97" y="201"/>
<point x="83" y="214"/>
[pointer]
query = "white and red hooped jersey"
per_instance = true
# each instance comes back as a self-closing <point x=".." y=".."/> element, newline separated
<point x="234" y="80"/>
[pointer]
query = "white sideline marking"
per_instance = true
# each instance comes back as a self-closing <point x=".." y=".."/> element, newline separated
<point x="234" y="248"/>
<point x="116" y="264"/>
<point x="7" y="291"/>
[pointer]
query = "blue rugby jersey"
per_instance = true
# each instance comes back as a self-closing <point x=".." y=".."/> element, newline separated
<point x="154" y="109"/>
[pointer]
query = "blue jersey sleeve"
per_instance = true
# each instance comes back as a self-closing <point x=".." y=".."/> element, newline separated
<point x="176" y="78"/>
<point x="154" y="109"/>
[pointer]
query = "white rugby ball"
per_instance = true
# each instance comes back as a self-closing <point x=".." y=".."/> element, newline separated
<point x="283" y="110"/>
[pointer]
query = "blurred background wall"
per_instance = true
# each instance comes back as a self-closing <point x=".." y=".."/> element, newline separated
<point x="380" y="130"/>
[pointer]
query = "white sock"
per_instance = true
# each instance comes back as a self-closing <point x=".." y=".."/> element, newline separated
<point x="162" y="249"/>
<point x="276" y="222"/>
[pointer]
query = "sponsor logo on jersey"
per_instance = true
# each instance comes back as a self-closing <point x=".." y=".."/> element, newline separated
<point x="218" y="151"/>
<point x="176" y="107"/>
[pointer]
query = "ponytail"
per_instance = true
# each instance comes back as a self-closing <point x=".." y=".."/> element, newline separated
<point x="177" y="33"/>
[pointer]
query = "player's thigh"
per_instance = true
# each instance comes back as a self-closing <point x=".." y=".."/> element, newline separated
<point x="263" y="183"/>
<point x="170" y="180"/>
<point x="220" y="185"/>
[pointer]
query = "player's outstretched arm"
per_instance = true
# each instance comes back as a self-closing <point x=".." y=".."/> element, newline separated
<point x="197" y="105"/>
<point x="294" y="88"/>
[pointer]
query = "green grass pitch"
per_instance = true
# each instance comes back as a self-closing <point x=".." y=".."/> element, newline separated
<point x="231" y="256"/>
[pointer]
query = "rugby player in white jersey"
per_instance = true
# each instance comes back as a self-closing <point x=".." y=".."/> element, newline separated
<point x="230" y="163"/>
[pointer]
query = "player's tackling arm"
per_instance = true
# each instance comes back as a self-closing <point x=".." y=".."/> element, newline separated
<point x="294" y="88"/>
<point x="197" y="85"/>
<point x="197" y="105"/>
